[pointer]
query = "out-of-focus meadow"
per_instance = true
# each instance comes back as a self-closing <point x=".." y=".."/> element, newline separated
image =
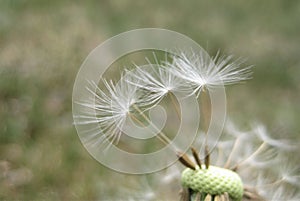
<point x="43" y="44"/>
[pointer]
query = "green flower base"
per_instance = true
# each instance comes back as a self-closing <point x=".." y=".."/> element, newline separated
<point x="213" y="181"/>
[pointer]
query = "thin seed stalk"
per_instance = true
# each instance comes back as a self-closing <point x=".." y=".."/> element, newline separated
<point x="160" y="135"/>
<point x="205" y="109"/>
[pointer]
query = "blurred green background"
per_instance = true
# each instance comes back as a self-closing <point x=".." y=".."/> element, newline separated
<point x="43" y="44"/>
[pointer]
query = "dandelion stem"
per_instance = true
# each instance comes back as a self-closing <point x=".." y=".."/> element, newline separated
<point x="142" y="124"/>
<point x="258" y="150"/>
<point x="205" y="109"/>
<point x="136" y="119"/>
<point x="173" y="100"/>
<point x="271" y="185"/>
<point x="233" y="150"/>
<point x="220" y="155"/>
<point x="251" y="194"/>
<point x="161" y="136"/>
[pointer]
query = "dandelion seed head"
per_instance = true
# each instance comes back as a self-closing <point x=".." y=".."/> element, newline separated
<point x="254" y="155"/>
<point x="266" y="171"/>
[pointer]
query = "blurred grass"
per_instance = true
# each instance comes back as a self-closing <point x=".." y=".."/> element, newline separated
<point x="42" y="45"/>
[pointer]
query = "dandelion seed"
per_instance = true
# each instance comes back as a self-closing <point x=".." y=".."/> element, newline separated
<point x="201" y="71"/>
<point x="112" y="108"/>
<point x="261" y="132"/>
<point x="156" y="80"/>
<point x="289" y="174"/>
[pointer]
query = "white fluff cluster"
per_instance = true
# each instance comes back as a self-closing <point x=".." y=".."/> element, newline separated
<point x="263" y="163"/>
<point x="110" y="110"/>
<point x="144" y="88"/>
<point x="199" y="71"/>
